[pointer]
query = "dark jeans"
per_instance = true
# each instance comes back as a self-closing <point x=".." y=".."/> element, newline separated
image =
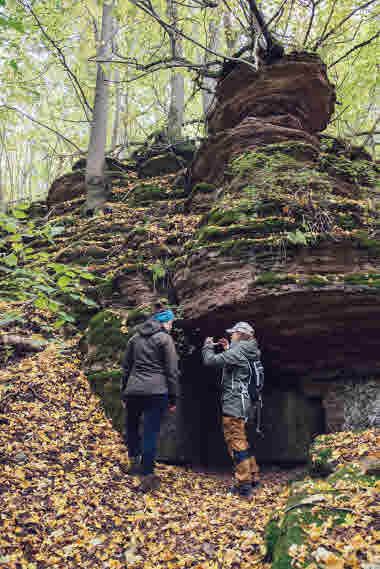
<point x="153" y="408"/>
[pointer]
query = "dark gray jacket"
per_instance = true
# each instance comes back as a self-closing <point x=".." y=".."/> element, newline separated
<point x="236" y="374"/>
<point x="150" y="362"/>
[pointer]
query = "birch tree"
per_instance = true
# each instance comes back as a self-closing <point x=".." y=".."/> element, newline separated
<point x="177" y="83"/>
<point x="95" y="179"/>
<point x="209" y="82"/>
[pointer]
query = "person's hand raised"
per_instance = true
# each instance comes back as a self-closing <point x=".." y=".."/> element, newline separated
<point x="225" y="343"/>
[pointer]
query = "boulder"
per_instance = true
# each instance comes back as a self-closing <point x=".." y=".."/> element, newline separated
<point x="297" y="86"/>
<point x="288" y="100"/>
<point x="113" y="166"/>
<point x="160" y="165"/>
<point x="66" y="188"/>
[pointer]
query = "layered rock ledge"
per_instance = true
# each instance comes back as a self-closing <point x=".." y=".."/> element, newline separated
<point x="280" y="228"/>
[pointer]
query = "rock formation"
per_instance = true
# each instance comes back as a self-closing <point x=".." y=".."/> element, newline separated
<point x="280" y="228"/>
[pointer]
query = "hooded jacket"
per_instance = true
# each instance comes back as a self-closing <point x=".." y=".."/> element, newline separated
<point x="150" y="362"/>
<point x="235" y="362"/>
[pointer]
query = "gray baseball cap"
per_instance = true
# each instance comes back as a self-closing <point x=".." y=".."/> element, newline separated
<point x="241" y="327"/>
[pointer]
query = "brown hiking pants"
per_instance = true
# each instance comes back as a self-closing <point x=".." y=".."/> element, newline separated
<point x="246" y="469"/>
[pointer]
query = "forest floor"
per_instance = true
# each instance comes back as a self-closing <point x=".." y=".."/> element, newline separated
<point x="65" y="501"/>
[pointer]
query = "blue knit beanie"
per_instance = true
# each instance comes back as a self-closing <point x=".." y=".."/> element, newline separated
<point x="164" y="316"/>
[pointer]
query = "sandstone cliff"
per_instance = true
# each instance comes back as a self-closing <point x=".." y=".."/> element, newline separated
<point x="280" y="227"/>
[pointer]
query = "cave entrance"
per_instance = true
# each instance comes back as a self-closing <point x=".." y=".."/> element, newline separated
<point x="290" y="419"/>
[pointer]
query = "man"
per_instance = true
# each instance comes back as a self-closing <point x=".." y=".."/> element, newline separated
<point x="149" y="387"/>
<point x="237" y="364"/>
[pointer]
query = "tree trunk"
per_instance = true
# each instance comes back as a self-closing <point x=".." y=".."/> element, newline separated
<point x="209" y="83"/>
<point x="177" y="83"/>
<point x="116" y="120"/>
<point x="95" y="181"/>
<point x="2" y="193"/>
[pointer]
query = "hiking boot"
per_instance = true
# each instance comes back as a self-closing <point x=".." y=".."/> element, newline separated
<point x="135" y="466"/>
<point x="243" y="490"/>
<point x="150" y="482"/>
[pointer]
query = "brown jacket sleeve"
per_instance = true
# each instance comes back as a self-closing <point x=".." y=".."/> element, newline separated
<point x="171" y="367"/>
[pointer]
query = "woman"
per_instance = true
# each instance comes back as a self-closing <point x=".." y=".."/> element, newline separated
<point x="149" y="386"/>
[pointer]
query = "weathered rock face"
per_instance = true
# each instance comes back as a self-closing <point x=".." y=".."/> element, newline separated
<point x="291" y="238"/>
<point x="280" y="228"/>
<point x="289" y="100"/>
<point x="67" y="187"/>
<point x="297" y="85"/>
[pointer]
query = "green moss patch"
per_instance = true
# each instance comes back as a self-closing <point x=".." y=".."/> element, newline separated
<point x="252" y="227"/>
<point x="268" y="278"/>
<point x="104" y="332"/>
<point x="138" y="315"/>
<point x="366" y="242"/>
<point x="367" y="279"/>
<point x="283" y="154"/>
<point x="203" y="188"/>
<point x="360" y="172"/>
<point x="106" y="384"/>
<point x="147" y="193"/>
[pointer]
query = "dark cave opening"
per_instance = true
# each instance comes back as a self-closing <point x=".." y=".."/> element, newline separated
<point x="290" y="419"/>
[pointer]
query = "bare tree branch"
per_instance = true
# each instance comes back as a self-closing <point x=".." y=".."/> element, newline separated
<point x="371" y="132"/>
<point x="323" y="38"/>
<point x="169" y="29"/>
<point x="311" y="20"/>
<point x="277" y="14"/>
<point x="358" y="46"/>
<point x="327" y="23"/>
<point x="73" y="78"/>
<point x="43" y="125"/>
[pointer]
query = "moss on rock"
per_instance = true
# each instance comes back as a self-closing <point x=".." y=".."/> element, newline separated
<point x="278" y="155"/>
<point x="106" y="384"/>
<point x="203" y="188"/>
<point x="360" y="172"/>
<point x="147" y="193"/>
<point x="257" y="227"/>
<point x="269" y="278"/>
<point x="105" y="334"/>
<point x="138" y="315"/>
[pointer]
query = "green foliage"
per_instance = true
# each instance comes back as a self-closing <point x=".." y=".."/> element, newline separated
<point x="297" y="237"/>
<point x="104" y="331"/>
<point x="26" y="275"/>
<point x="355" y="172"/>
<point x="271" y="536"/>
<point x="158" y="270"/>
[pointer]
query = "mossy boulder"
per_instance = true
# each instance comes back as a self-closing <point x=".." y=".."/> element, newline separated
<point x="106" y="384"/>
<point x="203" y="188"/>
<point x="160" y="165"/>
<point x="361" y="172"/>
<point x="106" y="337"/>
<point x="292" y="536"/>
<point x="147" y="193"/>
<point x="185" y="149"/>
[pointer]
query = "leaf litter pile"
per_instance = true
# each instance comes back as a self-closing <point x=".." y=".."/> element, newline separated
<point x="66" y="502"/>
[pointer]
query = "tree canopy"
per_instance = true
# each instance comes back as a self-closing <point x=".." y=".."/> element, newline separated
<point x="50" y="57"/>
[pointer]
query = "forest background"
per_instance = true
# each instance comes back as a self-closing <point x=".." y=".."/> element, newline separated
<point x="77" y="73"/>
